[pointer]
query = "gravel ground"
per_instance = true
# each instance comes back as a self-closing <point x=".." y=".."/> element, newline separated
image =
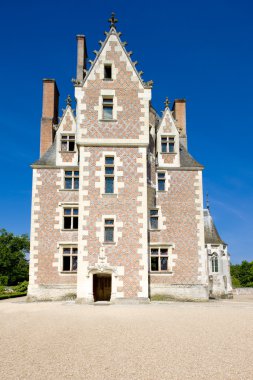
<point x="62" y="340"/>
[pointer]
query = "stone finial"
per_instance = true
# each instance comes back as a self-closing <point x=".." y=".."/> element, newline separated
<point x="113" y="21"/>
<point x="68" y="101"/>
<point x="167" y="102"/>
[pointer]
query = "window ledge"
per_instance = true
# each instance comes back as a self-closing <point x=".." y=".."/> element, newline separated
<point x="169" y="153"/>
<point x="108" y="120"/>
<point x="69" y="230"/>
<point x="68" y="272"/>
<point x="108" y="79"/>
<point x="161" y="272"/>
<point x="162" y="191"/>
<point x="155" y="229"/>
<point x="109" y="243"/>
<point x="68" y="189"/>
<point x="114" y="195"/>
<point x="67" y="151"/>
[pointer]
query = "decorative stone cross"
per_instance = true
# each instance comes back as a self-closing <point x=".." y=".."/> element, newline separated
<point x="167" y="102"/>
<point x="113" y="21"/>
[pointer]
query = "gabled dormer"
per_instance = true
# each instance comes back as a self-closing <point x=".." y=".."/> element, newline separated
<point x="112" y="99"/>
<point x="66" y="148"/>
<point x="168" y="152"/>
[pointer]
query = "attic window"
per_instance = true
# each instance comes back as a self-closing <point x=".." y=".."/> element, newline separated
<point x="168" y="144"/>
<point x="107" y="71"/>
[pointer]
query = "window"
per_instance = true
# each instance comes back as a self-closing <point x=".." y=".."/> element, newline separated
<point x="109" y="175"/>
<point x="107" y="71"/>
<point x="168" y="144"/>
<point x="159" y="259"/>
<point x="161" y="181"/>
<point x="71" y="180"/>
<point x="107" y="108"/>
<point x="153" y="217"/>
<point x="68" y="143"/>
<point x="70" y="218"/>
<point x="69" y="259"/>
<point x="109" y="231"/>
<point x="215" y="264"/>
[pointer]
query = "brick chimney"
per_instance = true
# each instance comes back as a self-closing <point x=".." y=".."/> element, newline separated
<point x="49" y="114"/>
<point x="81" y="57"/>
<point x="179" y="109"/>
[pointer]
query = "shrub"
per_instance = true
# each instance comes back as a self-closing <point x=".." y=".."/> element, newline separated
<point x="21" y="287"/>
<point x="3" y="280"/>
<point x="235" y="282"/>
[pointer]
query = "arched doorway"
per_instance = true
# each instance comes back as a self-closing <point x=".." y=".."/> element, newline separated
<point x="102" y="287"/>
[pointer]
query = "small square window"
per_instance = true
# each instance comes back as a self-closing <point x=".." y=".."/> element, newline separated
<point x="153" y="217"/>
<point x="68" y="143"/>
<point x="107" y="108"/>
<point x="71" y="180"/>
<point x="107" y="71"/>
<point x="159" y="259"/>
<point x="69" y="259"/>
<point x="161" y="181"/>
<point x="109" y="230"/>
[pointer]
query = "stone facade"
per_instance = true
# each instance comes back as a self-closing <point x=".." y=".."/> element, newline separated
<point x="117" y="210"/>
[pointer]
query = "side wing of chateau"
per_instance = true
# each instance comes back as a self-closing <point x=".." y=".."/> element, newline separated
<point x="117" y="201"/>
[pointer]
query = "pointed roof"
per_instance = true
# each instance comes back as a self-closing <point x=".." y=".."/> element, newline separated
<point x="211" y="234"/>
<point x="114" y="32"/>
<point x="48" y="158"/>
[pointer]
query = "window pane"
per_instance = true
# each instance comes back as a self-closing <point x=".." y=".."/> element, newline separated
<point x="154" y="264"/>
<point x="64" y="146"/>
<point x="66" y="251"/>
<point x="107" y="101"/>
<point x="154" y="223"/>
<point x="67" y="211"/>
<point x="66" y="263"/>
<point x="153" y="212"/>
<point x="75" y="223"/>
<point x="109" y="170"/>
<point x="68" y="183"/>
<point x="67" y="222"/>
<point x="109" y="222"/>
<point x="154" y="251"/>
<point x="161" y="175"/>
<point x="107" y="113"/>
<point x="75" y="211"/>
<point x="74" y="251"/>
<point x="164" y="251"/>
<point x="164" y="263"/>
<point x="68" y="174"/>
<point x="109" y="184"/>
<point x="71" y="146"/>
<point x="109" y="233"/>
<point x="76" y="183"/>
<point x="161" y="184"/>
<point x="171" y="147"/>
<point x="74" y="263"/>
<point x="109" y="160"/>
<point x="108" y="72"/>
<point x="71" y="137"/>
<point x="164" y="147"/>
<point x="76" y="173"/>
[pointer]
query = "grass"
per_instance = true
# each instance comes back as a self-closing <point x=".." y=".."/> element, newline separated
<point x="12" y="295"/>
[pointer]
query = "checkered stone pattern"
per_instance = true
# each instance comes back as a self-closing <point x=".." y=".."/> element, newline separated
<point x="128" y="207"/>
<point x="67" y="124"/>
<point x="182" y="206"/>
<point x="68" y="157"/>
<point x="131" y="100"/>
<point x="47" y="228"/>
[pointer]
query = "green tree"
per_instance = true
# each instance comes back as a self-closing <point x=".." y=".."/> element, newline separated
<point x="242" y="274"/>
<point x="14" y="267"/>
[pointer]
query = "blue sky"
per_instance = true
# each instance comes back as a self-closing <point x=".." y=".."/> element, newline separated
<point x="198" y="50"/>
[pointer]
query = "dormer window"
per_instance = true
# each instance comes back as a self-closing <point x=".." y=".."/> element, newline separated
<point x="168" y="144"/>
<point x="67" y="143"/>
<point x="107" y="71"/>
<point x="108" y="108"/>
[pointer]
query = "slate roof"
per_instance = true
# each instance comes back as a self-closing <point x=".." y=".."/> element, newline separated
<point x="48" y="158"/>
<point x="186" y="160"/>
<point x="211" y="234"/>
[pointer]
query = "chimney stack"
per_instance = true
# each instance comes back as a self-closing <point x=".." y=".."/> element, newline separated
<point x="179" y="109"/>
<point x="81" y="57"/>
<point x="49" y="114"/>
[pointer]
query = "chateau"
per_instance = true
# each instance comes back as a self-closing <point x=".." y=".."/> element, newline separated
<point x="117" y="200"/>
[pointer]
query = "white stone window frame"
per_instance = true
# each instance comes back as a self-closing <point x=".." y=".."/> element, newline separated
<point x="107" y="94"/>
<point x="63" y="206"/>
<point x="60" y="140"/>
<point x="69" y="169"/>
<point x="100" y="226"/>
<point x="113" y="71"/>
<point x="213" y="257"/>
<point x="168" y="136"/>
<point x="161" y="219"/>
<point x="101" y="174"/>
<point x="166" y="178"/>
<point x="159" y="246"/>
<point x="61" y="247"/>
